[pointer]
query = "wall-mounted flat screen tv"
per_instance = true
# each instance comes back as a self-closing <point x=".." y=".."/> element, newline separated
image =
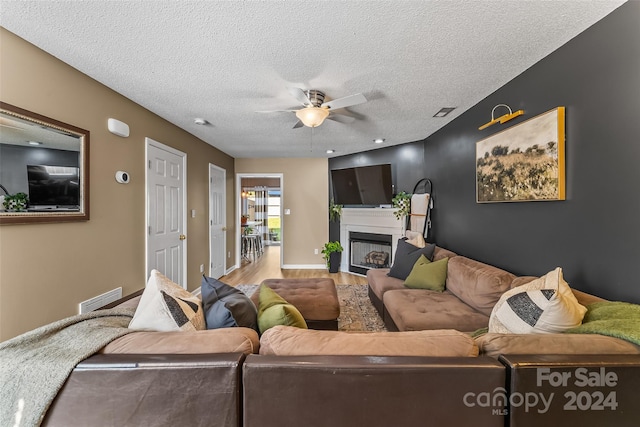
<point x="53" y="186"/>
<point x="365" y="185"/>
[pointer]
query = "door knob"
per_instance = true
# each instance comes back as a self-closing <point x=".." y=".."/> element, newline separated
<point x="182" y="237"/>
<point x="224" y="228"/>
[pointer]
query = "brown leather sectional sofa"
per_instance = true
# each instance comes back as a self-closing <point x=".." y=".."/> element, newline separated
<point x="472" y="289"/>
<point x="231" y="378"/>
<point x="233" y="390"/>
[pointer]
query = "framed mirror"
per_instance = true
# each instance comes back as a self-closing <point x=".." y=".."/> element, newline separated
<point x="44" y="168"/>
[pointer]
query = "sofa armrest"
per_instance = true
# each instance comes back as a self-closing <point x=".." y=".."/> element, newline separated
<point x="347" y="391"/>
<point x="136" y="390"/>
<point x="584" y="390"/>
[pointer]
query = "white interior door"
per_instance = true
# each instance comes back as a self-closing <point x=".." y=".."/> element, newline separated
<point x="166" y="211"/>
<point x="217" y="221"/>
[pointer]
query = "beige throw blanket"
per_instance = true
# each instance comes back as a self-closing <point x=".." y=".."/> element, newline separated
<point x="34" y="366"/>
<point x="419" y="206"/>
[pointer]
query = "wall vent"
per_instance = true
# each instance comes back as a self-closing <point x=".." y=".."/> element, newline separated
<point x="99" y="301"/>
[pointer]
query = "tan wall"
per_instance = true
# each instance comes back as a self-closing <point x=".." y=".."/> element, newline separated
<point x="47" y="269"/>
<point x="305" y="192"/>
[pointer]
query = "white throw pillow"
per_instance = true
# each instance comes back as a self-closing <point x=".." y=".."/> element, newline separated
<point x="543" y="306"/>
<point x="166" y="306"/>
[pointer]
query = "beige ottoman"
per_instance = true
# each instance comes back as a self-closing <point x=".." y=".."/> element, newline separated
<point x="316" y="299"/>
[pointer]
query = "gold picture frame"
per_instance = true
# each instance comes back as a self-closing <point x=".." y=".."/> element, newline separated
<point x="523" y="163"/>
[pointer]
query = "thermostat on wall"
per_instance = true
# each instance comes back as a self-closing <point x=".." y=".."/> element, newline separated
<point x="123" y="177"/>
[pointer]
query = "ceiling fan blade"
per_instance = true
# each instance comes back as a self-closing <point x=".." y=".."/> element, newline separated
<point x="298" y="124"/>
<point x="347" y="101"/>
<point x="276" y="111"/>
<point x="299" y="94"/>
<point x="341" y="118"/>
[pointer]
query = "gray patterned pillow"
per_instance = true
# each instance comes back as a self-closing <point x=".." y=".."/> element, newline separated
<point x="545" y="305"/>
<point x="166" y="306"/>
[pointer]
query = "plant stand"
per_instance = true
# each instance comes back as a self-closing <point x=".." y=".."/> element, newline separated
<point x="334" y="261"/>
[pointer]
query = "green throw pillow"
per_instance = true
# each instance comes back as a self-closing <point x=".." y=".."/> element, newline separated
<point x="428" y="275"/>
<point x="273" y="310"/>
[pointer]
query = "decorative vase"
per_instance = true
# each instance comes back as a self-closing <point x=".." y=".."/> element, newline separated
<point x="334" y="261"/>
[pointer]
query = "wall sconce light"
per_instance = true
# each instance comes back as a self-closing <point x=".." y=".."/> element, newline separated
<point x="502" y="119"/>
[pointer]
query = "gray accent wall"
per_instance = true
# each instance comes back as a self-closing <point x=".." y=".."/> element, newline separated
<point x="595" y="234"/>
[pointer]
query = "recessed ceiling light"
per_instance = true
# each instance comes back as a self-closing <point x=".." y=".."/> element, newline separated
<point x="330" y="151"/>
<point x="379" y="140"/>
<point x="444" y="111"/>
<point x="35" y="143"/>
<point x="200" y="121"/>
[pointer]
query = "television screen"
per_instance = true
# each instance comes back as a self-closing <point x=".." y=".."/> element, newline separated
<point x="365" y="185"/>
<point x="53" y="186"/>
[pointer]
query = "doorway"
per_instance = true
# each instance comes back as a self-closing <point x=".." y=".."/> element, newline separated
<point x="260" y="208"/>
<point x="217" y="221"/>
<point x="166" y="211"/>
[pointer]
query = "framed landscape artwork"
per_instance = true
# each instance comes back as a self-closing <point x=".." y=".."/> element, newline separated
<point x="523" y="163"/>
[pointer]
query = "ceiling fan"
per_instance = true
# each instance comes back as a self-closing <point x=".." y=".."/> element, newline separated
<point x="315" y="110"/>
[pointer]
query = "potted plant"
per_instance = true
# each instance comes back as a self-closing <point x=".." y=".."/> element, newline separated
<point x="332" y="252"/>
<point x="15" y="203"/>
<point x="402" y="202"/>
<point x="334" y="211"/>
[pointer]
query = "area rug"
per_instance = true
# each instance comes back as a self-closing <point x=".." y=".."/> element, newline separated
<point x="356" y="311"/>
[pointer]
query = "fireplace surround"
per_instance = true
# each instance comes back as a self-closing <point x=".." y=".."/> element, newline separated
<point x="375" y="231"/>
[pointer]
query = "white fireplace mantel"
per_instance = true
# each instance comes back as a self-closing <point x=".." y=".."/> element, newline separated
<point x="368" y="220"/>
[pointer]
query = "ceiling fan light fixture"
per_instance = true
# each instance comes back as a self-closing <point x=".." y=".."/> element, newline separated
<point x="312" y="116"/>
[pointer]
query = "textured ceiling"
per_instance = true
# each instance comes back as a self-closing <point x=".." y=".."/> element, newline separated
<point x="225" y="60"/>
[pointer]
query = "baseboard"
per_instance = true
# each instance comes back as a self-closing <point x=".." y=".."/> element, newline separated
<point x="233" y="267"/>
<point x="304" y="266"/>
<point x="196" y="292"/>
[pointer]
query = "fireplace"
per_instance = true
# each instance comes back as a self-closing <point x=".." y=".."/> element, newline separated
<point x="369" y="250"/>
<point x="375" y="232"/>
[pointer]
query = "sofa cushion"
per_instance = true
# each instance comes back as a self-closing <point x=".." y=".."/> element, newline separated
<point x="225" y="306"/>
<point x="496" y="344"/>
<point x="166" y="306"/>
<point x="545" y="305"/>
<point x="439" y="253"/>
<point x="428" y="275"/>
<point x="585" y="298"/>
<point x="406" y="256"/>
<point x="418" y="309"/>
<point x="288" y="341"/>
<point x="226" y="340"/>
<point x="274" y="310"/>
<point x="522" y="280"/>
<point x="477" y="284"/>
<point x="380" y="282"/>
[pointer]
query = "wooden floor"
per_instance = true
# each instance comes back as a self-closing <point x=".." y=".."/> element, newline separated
<point x="268" y="267"/>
